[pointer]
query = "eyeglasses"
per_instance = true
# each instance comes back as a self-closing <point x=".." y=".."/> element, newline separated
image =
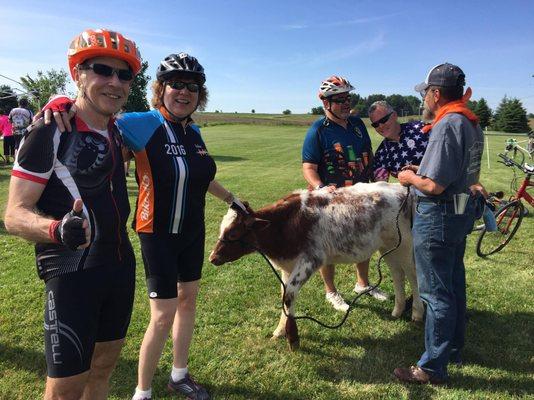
<point x="423" y="93"/>
<point x="192" y="87"/>
<point x="340" y="100"/>
<point x="382" y="120"/>
<point x="124" y="75"/>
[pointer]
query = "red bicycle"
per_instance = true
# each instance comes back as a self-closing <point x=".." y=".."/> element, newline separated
<point x="509" y="216"/>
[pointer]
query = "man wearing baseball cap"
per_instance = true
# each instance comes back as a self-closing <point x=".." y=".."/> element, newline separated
<point x="445" y="213"/>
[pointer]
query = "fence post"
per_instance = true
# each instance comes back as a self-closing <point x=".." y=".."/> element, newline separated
<point x="488" y="147"/>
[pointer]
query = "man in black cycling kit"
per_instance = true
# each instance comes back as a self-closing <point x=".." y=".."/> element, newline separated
<point x="68" y="195"/>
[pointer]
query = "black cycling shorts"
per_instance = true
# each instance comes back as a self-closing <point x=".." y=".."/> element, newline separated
<point x="171" y="258"/>
<point x="82" y="308"/>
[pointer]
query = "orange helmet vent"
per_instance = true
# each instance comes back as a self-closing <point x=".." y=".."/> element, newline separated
<point x="103" y="43"/>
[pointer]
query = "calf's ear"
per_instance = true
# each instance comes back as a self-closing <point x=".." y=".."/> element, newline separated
<point x="257" y="223"/>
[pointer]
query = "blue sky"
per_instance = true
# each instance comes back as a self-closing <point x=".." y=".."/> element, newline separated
<point x="271" y="56"/>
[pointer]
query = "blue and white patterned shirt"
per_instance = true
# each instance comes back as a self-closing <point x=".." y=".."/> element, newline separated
<point x="391" y="156"/>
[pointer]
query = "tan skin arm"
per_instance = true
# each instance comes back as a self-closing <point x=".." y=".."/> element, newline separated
<point x="426" y="185"/>
<point x="311" y="175"/>
<point x="20" y="218"/>
<point x="217" y="190"/>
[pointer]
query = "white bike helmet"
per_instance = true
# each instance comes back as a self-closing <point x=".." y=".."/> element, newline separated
<point x="334" y="85"/>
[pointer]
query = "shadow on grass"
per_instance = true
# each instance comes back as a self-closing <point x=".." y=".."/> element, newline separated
<point x="3" y="230"/>
<point x="5" y="172"/>
<point x="487" y="335"/>
<point x="251" y="393"/>
<point x="124" y="381"/>
<point x="20" y="358"/>
<point x="227" y="158"/>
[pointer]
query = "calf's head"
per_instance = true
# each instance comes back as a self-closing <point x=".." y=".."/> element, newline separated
<point x="237" y="237"/>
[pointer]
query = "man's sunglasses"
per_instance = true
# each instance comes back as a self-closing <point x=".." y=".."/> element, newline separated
<point x="340" y="100"/>
<point x="124" y="75"/>
<point x="382" y="120"/>
<point x="192" y="87"/>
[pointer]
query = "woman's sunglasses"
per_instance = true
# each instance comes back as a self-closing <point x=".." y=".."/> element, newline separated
<point x="192" y="87"/>
<point x="124" y="75"/>
<point x="382" y="120"/>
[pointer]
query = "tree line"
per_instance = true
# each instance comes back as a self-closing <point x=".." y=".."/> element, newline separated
<point x="510" y="115"/>
<point x="40" y="88"/>
<point x="403" y="105"/>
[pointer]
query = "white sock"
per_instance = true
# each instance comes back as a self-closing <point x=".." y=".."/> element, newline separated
<point x="142" y="394"/>
<point x="178" y="373"/>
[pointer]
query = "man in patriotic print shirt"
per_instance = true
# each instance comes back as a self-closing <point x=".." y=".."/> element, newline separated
<point x="403" y="144"/>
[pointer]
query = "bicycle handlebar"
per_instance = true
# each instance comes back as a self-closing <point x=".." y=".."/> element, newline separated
<point x="512" y="163"/>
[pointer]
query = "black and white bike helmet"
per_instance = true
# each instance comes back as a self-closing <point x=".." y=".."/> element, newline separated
<point x="181" y="64"/>
<point x="334" y="85"/>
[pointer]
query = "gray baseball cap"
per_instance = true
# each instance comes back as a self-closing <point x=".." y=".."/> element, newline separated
<point x="445" y="75"/>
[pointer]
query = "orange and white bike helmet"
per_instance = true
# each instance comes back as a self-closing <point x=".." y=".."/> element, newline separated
<point x="334" y="85"/>
<point x="103" y="43"/>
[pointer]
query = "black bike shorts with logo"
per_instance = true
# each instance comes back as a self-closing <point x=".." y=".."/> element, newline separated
<point x="83" y="308"/>
<point x="171" y="258"/>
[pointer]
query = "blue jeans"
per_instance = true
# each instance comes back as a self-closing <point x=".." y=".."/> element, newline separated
<point x="439" y="237"/>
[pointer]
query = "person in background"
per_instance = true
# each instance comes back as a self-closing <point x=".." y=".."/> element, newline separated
<point x="6" y="130"/>
<point x="68" y="195"/>
<point x="336" y="153"/>
<point x="445" y="213"/>
<point x="403" y="144"/>
<point x="20" y="118"/>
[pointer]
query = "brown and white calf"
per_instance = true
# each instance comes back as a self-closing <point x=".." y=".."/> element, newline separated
<point x="306" y="230"/>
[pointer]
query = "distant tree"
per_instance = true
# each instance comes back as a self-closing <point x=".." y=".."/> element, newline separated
<point x="483" y="113"/>
<point x="399" y="104"/>
<point x="531" y="115"/>
<point x="8" y="99"/>
<point x="360" y="108"/>
<point x="286" y="112"/>
<point x="317" y="110"/>
<point x="253" y="111"/>
<point x="137" y="99"/>
<point x="472" y="105"/>
<point x="216" y="111"/>
<point x="368" y="101"/>
<point x="354" y="99"/>
<point x="44" y="85"/>
<point x="511" y="117"/>
<point x="413" y="103"/>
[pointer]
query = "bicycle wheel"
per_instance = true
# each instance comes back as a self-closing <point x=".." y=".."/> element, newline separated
<point x="508" y="219"/>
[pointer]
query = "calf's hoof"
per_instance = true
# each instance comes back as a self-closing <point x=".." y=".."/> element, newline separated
<point x="293" y="346"/>
<point x="292" y="334"/>
<point x="417" y="318"/>
<point x="397" y="312"/>
<point x="278" y="334"/>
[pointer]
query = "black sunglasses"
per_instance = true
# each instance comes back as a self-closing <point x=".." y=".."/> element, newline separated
<point x="192" y="87"/>
<point x="382" y="120"/>
<point x="124" y="75"/>
<point x="340" y="100"/>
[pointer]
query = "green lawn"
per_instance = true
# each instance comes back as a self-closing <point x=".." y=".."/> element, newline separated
<point x="239" y="307"/>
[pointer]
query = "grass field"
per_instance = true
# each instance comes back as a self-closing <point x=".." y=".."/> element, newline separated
<point x="239" y="307"/>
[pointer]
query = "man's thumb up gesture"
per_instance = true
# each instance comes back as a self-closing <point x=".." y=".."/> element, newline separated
<point x="73" y="229"/>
